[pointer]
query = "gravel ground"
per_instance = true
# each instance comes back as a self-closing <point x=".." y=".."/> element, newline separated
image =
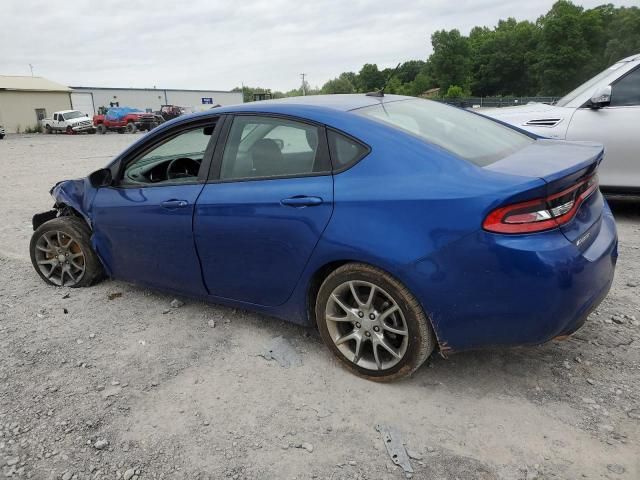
<point x="113" y="382"/>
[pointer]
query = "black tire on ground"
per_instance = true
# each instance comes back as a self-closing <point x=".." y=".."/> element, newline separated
<point x="101" y="129"/>
<point x="421" y="339"/>
<point x="78" y="230"/>
<point x="131" y="127"/>
<point x="1" y="136"/>
<point x="69" y="130"/>
<point x="48" y="129"/>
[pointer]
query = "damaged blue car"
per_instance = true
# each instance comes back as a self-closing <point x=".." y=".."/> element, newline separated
<point x="398" y="226"/>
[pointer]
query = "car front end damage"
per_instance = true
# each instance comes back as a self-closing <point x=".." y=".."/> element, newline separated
<point x="70" y="199"/>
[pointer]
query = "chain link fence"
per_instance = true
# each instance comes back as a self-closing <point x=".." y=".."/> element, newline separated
<point x="493" y="102"/>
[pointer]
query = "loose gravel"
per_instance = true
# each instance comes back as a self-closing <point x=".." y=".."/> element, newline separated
<point x="116" y="381"/>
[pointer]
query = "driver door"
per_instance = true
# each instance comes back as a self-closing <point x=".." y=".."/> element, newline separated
<point x="143" y="223"/>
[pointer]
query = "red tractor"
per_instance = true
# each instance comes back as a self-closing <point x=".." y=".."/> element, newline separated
<point x="125" y="119"/>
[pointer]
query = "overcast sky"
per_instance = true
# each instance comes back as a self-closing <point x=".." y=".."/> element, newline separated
<point x="209" y="44"/>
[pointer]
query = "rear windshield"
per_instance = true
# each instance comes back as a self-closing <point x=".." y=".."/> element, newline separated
<point x="469" y="136"/>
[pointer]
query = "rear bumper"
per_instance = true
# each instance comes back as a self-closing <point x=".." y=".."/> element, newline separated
<point x="515" y="290"/>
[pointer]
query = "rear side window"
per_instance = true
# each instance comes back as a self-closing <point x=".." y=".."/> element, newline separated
<point x="471" y="137"/>
<point x="344" y="150"/>
<point x="626" y="91"/>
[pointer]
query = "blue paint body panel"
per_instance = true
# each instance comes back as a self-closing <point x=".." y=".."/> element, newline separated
<point x="409" y="207"/>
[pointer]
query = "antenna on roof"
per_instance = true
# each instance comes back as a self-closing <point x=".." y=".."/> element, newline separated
<point x="380" y="93"/>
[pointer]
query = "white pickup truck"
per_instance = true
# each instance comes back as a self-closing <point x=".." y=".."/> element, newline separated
<point x="68" y="121"/>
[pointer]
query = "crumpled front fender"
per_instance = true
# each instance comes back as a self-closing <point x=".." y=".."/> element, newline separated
<point x="77" y="194"/>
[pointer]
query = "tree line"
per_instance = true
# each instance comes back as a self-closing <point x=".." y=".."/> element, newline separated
<point x="548" y="57"/>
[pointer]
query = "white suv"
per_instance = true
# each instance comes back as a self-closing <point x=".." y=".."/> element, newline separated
<point x="68" y="121"/>
<point x="605" y="109"/>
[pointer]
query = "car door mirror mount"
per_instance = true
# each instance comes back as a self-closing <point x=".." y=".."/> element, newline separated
<point x="101" y="178"/>
<point x="601" y="97"/>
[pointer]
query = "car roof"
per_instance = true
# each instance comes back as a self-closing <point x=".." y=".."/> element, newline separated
<point x="67" y="111"/>
<point x="631" y="58"/>
<point x="339" y="102"/>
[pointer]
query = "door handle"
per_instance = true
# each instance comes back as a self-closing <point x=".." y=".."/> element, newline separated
<point x="301" y="201"/>
<point x="171" y="204"/>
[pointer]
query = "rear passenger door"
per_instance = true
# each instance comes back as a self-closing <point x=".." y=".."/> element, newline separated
<point x="269" y="198"/>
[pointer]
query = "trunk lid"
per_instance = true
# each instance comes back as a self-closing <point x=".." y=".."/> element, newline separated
<point x="563" y="165"/>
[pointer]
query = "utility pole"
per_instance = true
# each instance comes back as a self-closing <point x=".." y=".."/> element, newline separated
<point x="304" y="92"/>
<point x="31" y="67"/>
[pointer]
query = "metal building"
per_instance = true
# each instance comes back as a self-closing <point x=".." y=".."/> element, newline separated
<point x="26" y="100"/>
<point x="89" y="99"/>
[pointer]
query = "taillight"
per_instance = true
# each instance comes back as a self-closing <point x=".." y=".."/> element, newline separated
<point x="543" y="213"/>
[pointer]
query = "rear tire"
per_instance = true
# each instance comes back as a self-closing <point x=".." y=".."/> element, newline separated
<point x="69" y="130"/>
<point x="131" y="127"/>
<point x="101" y="129"/>
<point x="48" y="129"/>
<point x="61" y="253"/>
<point x="381" y="336"/>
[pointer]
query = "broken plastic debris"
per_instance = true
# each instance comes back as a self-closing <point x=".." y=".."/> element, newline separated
<point x="395" y="447"/>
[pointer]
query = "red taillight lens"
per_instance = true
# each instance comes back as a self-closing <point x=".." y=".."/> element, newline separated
<point x="543" y="213"/>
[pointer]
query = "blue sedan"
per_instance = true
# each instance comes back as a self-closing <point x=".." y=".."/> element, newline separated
<point x="398" y="226"/>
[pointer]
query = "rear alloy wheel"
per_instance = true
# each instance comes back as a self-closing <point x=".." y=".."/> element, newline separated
<point x="372" y="323"/>
<point x="131" y="127"/>
<point x="62" y="255"/>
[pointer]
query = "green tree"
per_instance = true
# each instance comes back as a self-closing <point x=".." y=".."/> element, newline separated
<point x="449" y="64"/>
<point x="370" y="78"/>
<point x="623" y="32"/>
<point x="454" y="91"/>
<point x="569" y="46"/>
<point x="501" y="58"/>
<point x="342" y="84"/>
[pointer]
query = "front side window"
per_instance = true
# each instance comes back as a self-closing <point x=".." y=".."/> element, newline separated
<point x="262" y="147"/>
<point x="626" y="91"/>
<point x="72" y="115"/>
<point x="471" y="137"/>
<point x="176" y="160"/>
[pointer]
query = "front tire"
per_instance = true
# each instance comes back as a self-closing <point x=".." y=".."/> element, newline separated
<point x="131" y="127"/>
<point x="101" y="129"/>
<point x="372" y="324"/>
<point x="61" y="253"/>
